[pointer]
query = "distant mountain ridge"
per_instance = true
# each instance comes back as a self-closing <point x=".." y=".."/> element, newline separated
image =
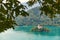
<point x="34" y="18"/>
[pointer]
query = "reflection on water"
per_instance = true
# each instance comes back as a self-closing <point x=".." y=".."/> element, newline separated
<point x="24" y="33"/>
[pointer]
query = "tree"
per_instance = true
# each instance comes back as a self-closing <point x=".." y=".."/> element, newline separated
<point x="8" y="12"/>
<point x="12" y="8"/>
<point x="49" y="7"/>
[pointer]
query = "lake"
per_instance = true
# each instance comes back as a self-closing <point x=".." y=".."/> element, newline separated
<point x="25" y="33"/>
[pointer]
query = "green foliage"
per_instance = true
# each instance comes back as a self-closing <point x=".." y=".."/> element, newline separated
<point x="8" y="12"/>
<point x="49" y="7"/>
<point x="13" y="8"/>
<point x="31" y="2"/>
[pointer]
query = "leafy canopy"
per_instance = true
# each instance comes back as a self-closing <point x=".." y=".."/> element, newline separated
<point x="12" y="8"/>
<point x="48" y="7"/>
<point x="9" y="11"/>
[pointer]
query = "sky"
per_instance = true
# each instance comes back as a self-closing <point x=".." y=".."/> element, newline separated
<point x="22" y="1"/>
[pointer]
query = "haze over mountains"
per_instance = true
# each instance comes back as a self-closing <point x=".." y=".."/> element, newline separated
<point x="34" y="18"/>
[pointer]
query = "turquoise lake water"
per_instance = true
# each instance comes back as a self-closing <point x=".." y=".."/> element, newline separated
<point x="24" y="33"/>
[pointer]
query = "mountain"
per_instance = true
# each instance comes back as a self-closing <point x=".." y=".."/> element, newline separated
<point x="34" y="18"/>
